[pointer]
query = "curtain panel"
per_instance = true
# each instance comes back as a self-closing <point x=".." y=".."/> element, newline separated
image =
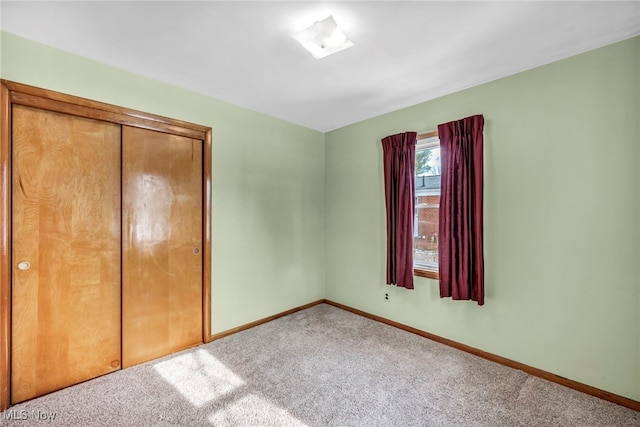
<point x="460" y="251"/>
<point x="399" y="163"/>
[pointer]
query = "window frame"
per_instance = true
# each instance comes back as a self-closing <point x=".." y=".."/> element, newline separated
<point x="425" y="141"/>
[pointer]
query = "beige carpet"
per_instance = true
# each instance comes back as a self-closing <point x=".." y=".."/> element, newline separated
<point x="320" y="367"/>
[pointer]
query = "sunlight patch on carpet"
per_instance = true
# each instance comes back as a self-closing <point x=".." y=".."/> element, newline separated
<point x="199" y="377"/>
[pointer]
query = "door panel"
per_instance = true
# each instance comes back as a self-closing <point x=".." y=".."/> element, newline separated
<point x="66" y="225"/>
<point x="161" y="244"/>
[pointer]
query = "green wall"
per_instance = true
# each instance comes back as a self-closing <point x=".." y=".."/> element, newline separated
<point x="299" y="216"/>
<point x="268" y="181"/>
<point x="562" y="219"/>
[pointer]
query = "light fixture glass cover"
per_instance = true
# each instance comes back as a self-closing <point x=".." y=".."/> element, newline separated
<point x="323" y="38"/>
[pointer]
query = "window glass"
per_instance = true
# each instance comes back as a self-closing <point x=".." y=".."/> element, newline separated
<point x="427" y="205"/>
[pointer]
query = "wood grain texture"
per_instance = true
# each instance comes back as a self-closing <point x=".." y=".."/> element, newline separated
<point x="162" y="274"/>
<point x="5" y="246"/>
<point x="55" y="101"/>
<point x="66" y="224"/>
<point x="206" y="250"/>
<point x="584" y="388"/>
<point x="426" y="273"/>
<point x="426" y="135"/>
<point x="98" y="114"/>
<point x="13" y="93"/>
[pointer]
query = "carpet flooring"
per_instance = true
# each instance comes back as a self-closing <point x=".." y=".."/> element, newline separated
<point x="322" y="366"/>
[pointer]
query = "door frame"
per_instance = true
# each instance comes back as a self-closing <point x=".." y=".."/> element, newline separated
<point x="20" y="94"/>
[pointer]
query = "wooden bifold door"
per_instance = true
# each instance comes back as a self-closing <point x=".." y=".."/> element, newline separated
<point x="109" y="240"/>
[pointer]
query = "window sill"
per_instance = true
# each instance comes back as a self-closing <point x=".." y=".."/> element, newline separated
<point x="425" y="273"/>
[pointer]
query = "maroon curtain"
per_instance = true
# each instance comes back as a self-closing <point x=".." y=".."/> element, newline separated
<point x="399" y="152"/>
<point x="461" y="259"/>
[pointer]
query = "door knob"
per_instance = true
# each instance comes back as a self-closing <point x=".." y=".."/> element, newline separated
<point x="196" y="250"/>
<point x="24" y="265"/>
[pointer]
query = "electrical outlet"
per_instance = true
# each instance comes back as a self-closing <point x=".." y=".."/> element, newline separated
<point x="386" y="297"/>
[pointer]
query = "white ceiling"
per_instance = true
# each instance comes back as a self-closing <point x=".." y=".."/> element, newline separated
<point x="405" y="52"/>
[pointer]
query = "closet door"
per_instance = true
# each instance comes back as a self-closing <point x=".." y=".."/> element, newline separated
<point x="65" y="251"/>
<point x="162" y="244"/>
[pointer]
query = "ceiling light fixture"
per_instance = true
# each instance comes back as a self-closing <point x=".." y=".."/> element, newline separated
<point x="323" y="38"/>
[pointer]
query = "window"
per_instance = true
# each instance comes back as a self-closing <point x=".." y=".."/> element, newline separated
<point x="427" y="206"/>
